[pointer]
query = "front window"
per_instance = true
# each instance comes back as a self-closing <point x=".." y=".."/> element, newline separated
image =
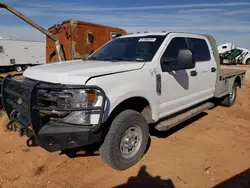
<point x="129" y="49"/>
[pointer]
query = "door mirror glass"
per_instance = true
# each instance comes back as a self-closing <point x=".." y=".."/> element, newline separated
<point x="184" y="60"/>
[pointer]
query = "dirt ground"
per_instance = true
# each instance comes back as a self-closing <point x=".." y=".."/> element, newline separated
<point x="211" y="150"/>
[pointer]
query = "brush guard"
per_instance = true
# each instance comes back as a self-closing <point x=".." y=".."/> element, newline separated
<point x="20" y="101"/>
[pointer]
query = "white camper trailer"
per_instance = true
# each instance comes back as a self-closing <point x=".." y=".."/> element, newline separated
<point x="19" y="55"/>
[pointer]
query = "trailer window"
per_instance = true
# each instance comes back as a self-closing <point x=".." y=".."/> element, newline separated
<point x="199" y="49"/>
<point x="224" y="47"/>
<point x="1" y="49"/>
<point x="90" y="38"/>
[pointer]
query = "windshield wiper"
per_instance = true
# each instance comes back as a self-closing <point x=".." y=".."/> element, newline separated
<point x="115" y="58"/>
<point x="139" y="60"/>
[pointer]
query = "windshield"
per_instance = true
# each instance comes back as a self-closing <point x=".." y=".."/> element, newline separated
<point x="129" y="49"/>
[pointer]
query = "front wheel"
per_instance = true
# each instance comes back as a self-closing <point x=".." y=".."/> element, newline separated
<point x="126" y="140"/>
<point x="231" y="98"/>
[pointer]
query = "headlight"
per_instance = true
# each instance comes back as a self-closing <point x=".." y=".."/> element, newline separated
<point x="80" y="99"/>
<point x="74" y="99"/>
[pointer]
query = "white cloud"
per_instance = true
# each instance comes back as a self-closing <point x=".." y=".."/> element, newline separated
<point x="203" y="10"/>
<point x="197" y="18"/>
<point x="237" y="12"/>
<point x="81" y="7"/>
<point x="21" y="33"/>
<point x="194" y="28"/>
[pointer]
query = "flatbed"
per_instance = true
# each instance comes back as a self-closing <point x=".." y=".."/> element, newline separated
<point x="227" y="73"/>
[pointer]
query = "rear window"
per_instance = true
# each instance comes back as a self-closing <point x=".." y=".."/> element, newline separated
<point x="199" y="49"/>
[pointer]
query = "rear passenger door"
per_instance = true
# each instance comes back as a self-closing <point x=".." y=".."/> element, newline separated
<point x="205" y="67"/>
<point x="183" y="88"/>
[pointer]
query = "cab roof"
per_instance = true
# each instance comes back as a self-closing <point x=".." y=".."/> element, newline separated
<point x="144" y="34"/>
<point x="157" y="34"/>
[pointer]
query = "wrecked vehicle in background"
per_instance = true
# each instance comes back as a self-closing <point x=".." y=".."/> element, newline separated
<point x="230" y="54"/>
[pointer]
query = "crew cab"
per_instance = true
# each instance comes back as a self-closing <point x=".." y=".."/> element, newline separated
<point x="131" y="83"/>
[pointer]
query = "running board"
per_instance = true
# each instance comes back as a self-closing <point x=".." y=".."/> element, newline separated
<point x="169" y="123"/>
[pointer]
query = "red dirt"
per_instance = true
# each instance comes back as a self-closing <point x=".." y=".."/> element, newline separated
<point x="204" y="152"/>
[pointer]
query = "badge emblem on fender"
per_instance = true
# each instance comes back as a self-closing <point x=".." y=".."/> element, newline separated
<point x="158" y="84"/>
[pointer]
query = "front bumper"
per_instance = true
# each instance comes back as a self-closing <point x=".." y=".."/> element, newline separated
<point x="20" y="101"/>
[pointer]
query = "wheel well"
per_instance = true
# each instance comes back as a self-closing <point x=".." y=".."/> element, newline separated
<point x="135" y="103"/>
<point x="238" y="81"/>
<point x="248" y="59"/>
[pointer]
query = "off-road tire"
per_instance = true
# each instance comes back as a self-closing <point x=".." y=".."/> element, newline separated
<point x="230" y="99"/>
<point x="110" y="148"/>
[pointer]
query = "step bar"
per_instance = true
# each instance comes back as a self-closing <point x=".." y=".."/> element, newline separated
<point x="180" y="118"/>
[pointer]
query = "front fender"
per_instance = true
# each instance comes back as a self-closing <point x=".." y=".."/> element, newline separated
<point x="121" y="98"/>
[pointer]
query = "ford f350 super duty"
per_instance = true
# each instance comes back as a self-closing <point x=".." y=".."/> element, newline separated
<point x="132" y="82"/>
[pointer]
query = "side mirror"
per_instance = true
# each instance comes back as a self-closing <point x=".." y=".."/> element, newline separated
<point x="185" y="60"/>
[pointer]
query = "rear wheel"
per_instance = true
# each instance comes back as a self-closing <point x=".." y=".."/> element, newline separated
<point x="231" y="98"/>
<point x="126" y="140"/>
<point x="248" y="61"/>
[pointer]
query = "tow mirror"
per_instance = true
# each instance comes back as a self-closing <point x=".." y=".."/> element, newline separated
<point x="185" y="60"/>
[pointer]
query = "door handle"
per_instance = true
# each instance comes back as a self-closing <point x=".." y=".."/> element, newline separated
<point x="193" y="73"/>
<point x="213" y="69"/>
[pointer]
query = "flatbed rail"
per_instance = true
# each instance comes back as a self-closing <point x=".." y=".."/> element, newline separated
<point x="227" y="73"/>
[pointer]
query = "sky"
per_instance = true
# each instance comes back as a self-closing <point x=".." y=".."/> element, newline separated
<point x="227" y="21"/>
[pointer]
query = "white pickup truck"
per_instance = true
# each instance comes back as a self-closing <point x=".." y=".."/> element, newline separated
<point x="132" y="82"/>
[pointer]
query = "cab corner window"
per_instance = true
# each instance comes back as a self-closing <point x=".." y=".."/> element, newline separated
<point x="90" y="38"/>
<point x="1" y="49"/>
<point x="170" y="56"/>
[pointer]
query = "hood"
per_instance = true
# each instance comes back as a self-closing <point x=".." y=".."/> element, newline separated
<point x="77" y="72"/>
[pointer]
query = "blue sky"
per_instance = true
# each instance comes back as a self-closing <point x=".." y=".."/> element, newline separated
<point x="227" y="21"/>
